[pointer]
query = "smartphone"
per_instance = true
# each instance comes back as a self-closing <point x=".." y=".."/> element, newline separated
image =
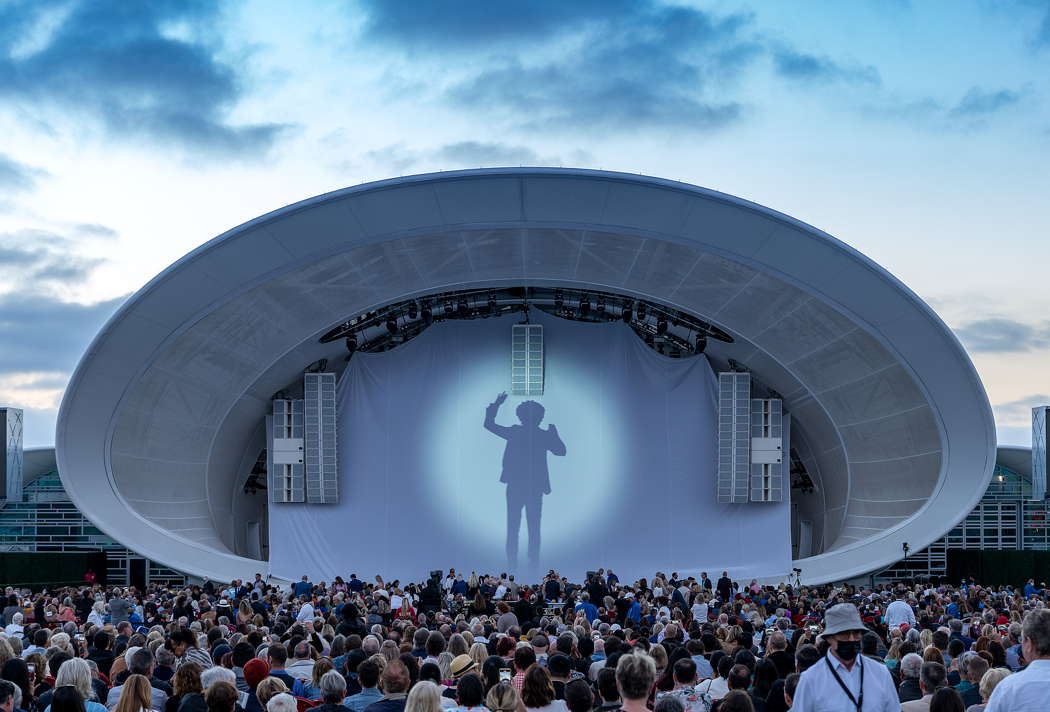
<point x="32" y="668"/>
<point x="504" y="674"/>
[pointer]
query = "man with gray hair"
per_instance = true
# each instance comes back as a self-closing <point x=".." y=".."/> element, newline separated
<point x="1028" y="690"/>
<point x="911" y="666"/>
<point x="302" y="665"/>
<point x="333" y="689"/>
<point x="139" y="662"/>
<point x="932" y="678"/>
<point x="371" y="644"/>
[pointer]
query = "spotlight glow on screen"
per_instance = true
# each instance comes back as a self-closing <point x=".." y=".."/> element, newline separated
<point x="631" y="469"/>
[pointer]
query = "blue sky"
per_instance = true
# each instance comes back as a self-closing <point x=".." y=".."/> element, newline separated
<point x="918" y="132"/>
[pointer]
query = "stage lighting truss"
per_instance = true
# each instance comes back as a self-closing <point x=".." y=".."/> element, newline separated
<point x="664" y="329"/>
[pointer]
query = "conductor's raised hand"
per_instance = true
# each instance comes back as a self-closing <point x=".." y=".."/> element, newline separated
<point x="500" y="399"/>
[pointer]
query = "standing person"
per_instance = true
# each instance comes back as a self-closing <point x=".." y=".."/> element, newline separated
<point x="524" y="471"/>
<point x="899" y="612"/>
<point x="725" y="587"/>
<point x="119" y="608"/>
<point x="845" y="681"/>
<point x="1029" y="689"/>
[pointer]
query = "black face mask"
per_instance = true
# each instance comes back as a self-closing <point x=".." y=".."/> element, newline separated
<point x="847" y="649"/>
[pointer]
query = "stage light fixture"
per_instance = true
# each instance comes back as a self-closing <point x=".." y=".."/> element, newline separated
<point x="642" y="311"/>
<point x="701" y="343"/>
<point x="464" y="310"/>
<point x="351" y="344"/>
<point x="626" y="314"/>
<point x="601" y="306"/>
<point x="448" y="308"/>
<point x="391" y="325"/>
<point x="585" y="306"/>
<point x="427" y="315"/>
<point x="413" y="310"/>
<point x="492" y="305"/>
<point x="661" y="325"/>
<point x="559" y="299"/>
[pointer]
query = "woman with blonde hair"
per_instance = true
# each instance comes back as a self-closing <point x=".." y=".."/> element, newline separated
<point x="424" y="696"/>
<point x="988" y="682"/>
<point x="479" y="653"/>
<point x="444" y="663"/>
<point x="6" y="651"/>
<point x="135" y="696"/>
<point x="269" y="688"/>
<point x="502" y="697"/>
<point x="659" y="655"/>
<point x="245" y="614"/>
<point x="389" y="650"/>
<point x="312" y="687"/>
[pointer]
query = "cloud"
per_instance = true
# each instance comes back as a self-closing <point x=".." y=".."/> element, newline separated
<point x="465" y="25"/>
<point x="978" y="103"/>
<point x="481" y="154"/>
<point x="95" y="230"/>
<point x="140" y="69"/>
<point x="44" y="334"/>
<point x="32" y="261"/>
<point x="43" y="339"/>
<point x="1019" y="412"/>
<point x="16" y="176"/>
<point x="1042" y="33"/>
<point x="1000" y="335"/>
<point x="398" y="158"/>
<point x="800" y="66"/>
<point x="579" y="65"/>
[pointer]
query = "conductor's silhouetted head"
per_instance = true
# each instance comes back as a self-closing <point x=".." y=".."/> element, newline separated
<point x="530" y="413"/>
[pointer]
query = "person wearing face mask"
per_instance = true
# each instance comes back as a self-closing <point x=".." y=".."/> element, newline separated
<point x="844" y="681"/>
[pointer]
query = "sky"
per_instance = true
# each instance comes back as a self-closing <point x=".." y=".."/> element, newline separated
<point x="917" y="132"/>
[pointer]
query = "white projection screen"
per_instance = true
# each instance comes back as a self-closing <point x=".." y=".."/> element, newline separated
<point x="630" y="465"/>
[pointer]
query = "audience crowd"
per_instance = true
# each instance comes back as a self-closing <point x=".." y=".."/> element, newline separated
<point x="491" y="644"/>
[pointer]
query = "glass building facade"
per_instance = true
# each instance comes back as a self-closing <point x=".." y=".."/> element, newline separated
<point x="46" y="521"/>
<point x="1006" y="519"/>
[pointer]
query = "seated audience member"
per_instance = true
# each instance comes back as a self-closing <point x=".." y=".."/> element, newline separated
<point x="221" y="697"/>
<point x="394" y="682"/>
<point x="635" y="676"/>
<point x="932" y="677"/>
<point x="537" y="692"/>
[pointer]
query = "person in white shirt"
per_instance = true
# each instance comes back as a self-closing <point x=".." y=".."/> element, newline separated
<point x="899" y="612"/>
<point x="1029" y="689"/>
<point x="14" y="628"/>
<point x="845" y="681"/>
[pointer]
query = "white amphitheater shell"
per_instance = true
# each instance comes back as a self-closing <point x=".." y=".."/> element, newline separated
<point x="162" y="416"/>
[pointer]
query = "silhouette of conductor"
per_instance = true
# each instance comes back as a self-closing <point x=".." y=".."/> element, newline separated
<point x="524" y="470"/>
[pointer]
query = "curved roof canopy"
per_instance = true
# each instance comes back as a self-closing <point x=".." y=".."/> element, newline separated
<point x="887" y="409"/>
